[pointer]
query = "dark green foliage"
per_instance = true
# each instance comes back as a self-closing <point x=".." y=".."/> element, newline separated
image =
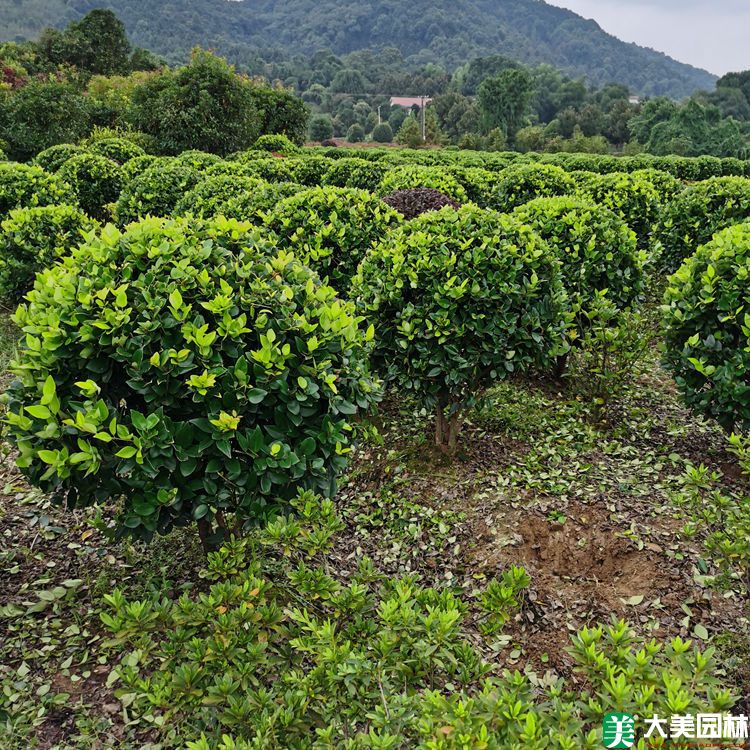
<point x="354" y="173"/>
<point x="417" y="176"/>
<point x="417" y="201"/>
<point x="355" y="134"/>
<point x="460" y="300"/>
<point x="519" y="184"/>
<point x="23" y="185"/>
<point x="280" y="112"/>
<point x="95" y="181"/>
<point x="198" y="160"/>
<point x="32" y="239"/>
<point x="156" y="191"/>
<point x="52" y="158"/>
<point x="195" y="372"/>
<point x="211" y="194"/>
<point x="597" y="252"/>
<point x="693" y="217"/>
<point x="382" y="133"/>
<point x="707" y="328"/>
<point x="138" y="165"/>
<point x="276" y="144"/>
<point x="321" y="128"/>
<point x="203" y="105"/>
<point x="42" y="114"/>
<point x="331" y="229"/>
<point x="120" y="150"/>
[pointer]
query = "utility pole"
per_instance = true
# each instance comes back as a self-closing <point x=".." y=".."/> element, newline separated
<point x="424" y="122"/>
<point x="379" y="120"/>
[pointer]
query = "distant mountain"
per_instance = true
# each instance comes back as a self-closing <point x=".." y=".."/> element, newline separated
<point x="446" y="32"/>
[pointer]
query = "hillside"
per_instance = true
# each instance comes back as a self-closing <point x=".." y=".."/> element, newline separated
<point x="445" y="32"/>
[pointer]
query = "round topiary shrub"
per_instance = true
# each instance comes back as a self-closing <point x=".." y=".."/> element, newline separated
<point x="24" y="185"/>
<point x="382" y="133"/>
<point x="185" y="371"/>
<point x="521" y="183"/>
<point x="156" y="191"/>
<point x="137" y="166"/>
<point x="270" y="169"/>
<point x="32" y="239"/>
<point x="460" y="300"/>
<point x="354" y="173"/>
<point x="276" y="144"/>
<point x="636" y="200"/>
<point x="198" y="160"/>
<point x="596" y="249"/>
<point x="120" y="150"/>
<point x="95" y="180"/>
<point x="210" y="195"/>
<point x="707" y="328"/>
<point x="254" y="206"/>
<point x="309" y="170"/>
<point x="52" y="158"/>
<point x="669" y="187"/>
<point x="331" y="229"/>
<point x="695" y="215"/>
<point x="417" y="201"/>
<point x="415" y="176"/>
<point x="478" y="183"/>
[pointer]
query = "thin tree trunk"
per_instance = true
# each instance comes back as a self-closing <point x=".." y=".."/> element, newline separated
<point x="204" y="532"/>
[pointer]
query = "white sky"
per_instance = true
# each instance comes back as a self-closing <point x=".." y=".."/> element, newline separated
<point x="710" y="34"/>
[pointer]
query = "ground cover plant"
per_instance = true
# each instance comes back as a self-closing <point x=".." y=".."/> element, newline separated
<point x="220" y="530"/>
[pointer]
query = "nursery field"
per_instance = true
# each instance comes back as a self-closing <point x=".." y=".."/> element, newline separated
<point x="375" y="448"/>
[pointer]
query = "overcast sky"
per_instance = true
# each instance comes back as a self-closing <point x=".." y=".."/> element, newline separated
<point x="711" y="34"/>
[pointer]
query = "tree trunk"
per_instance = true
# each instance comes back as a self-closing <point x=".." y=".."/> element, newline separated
<point x="204" y="532"/>
<point x="561" y="364"/>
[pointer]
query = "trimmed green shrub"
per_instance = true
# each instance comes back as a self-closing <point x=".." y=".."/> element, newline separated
<point x="276" y="144"/>
<point x="695" y="215"/>
<point x="309" y="170"/>
<point x="223" y="168"/>
<point x="23" y="185"/>
<point x="183" y="371"/>
<point x="382" y="133"/>
<point x="95" y="181"/>
<point x="156" y="191"/>
<point x="331" y="229"/>
<point x="354" y="173"/>
<point x="669" y="187"/>
<point x="137" y="166"/>
<point x="270" y="169"/>
<point x="596" y="249"/>
<point x="52" y="158"/>
<point x="521" y="183"/>
<point x="478" y="183"/>
<point x="211" y="194"/>
<point x="633" y="198"/>
<point x="255" y="206"/>
<point x="355" y="134"/>
<point x="120" y="150"/>
<point x="416" y="176"/>
<point x="707" y="328"/>
<point x="32" y="239"/>
<point x="198" y="160"/>
<point x="460" y="300"/>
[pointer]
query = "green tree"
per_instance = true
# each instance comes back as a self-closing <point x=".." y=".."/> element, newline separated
<point x="204" y="105"/>
<point x="382" y="133"/>
<point x="504" y="101"/>
<point x="321" y="128"/>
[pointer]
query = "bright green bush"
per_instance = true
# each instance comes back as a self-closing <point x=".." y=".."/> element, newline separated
<point x="415" y="176"/>
<point x="211" y="194"/>
<point x="156" y="191"/>
<point x="23" y="185"/>
<point x="198" y="160"/>
<point x="255" y="206"/>
<point x="276" y="144"/>
<point x="521" y="183"/>
<point x="270" y="169"/>
<point x="354" y="173"/>
<point x="669" y="187"/>
<point x="187" y="370"/>
<point x="279" y="652"/>
<point x="120" y="150"/>
<point x="478" y="183"/>
<point x="596" y="249"/>
<point x="32" y="239"/>
<point x="695" y="215"/>
<point x="331" y="229"/>
<point x="308" y="170"/>
<point x="137" y="166"/>
<point x="461" y="299"/>
<point x="635" y="199"/>
<point x="707" y="328"/>
<point x="95" y="181"/>
<point x="52" y="158"/>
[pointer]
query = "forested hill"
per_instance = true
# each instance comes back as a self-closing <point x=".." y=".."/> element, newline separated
<point x="447" y="32"/>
